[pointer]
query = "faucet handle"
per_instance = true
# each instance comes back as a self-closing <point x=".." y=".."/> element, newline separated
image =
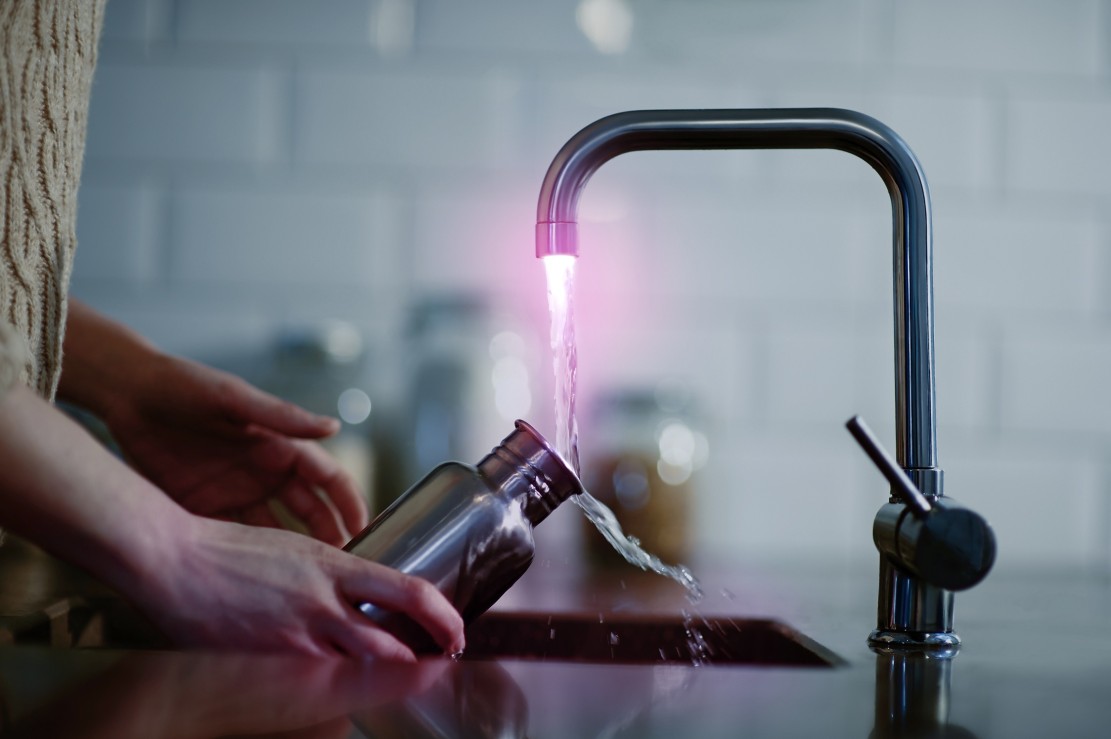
<point x="953" y="547"/>
<point x="901" y="485"/>
<point x="939" y="541"/>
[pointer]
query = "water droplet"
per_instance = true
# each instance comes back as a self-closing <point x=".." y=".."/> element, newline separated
<point x="728" y="594"/>
<point x="614" y="639"/>
<point x="457" y="656"/>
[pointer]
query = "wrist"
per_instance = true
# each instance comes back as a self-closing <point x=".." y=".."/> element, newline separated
<point x="152" y="553"/>
<point x="105" y="364"/>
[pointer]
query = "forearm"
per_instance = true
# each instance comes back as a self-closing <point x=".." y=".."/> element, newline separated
<point x="59" y="488"/>
<point x="102" y="360"/>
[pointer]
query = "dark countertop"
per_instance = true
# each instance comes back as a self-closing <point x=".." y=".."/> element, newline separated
<point x="1036" y="662"/>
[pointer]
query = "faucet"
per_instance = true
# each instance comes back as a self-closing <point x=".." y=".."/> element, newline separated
<point x="915" y="606"/>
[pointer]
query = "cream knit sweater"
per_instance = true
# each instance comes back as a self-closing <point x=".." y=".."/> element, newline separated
<point x="47" y="56"/>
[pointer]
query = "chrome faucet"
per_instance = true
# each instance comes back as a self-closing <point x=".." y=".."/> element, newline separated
<point x="912" y="610"/>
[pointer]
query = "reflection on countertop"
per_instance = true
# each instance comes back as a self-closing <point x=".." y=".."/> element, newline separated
<point x="167" y="694"/>
<point x="1036" y="662"/>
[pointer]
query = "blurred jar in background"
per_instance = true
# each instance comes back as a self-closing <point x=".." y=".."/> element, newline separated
<point x="643" y="448"/>
<point x="323" y="367"/>
<point x="468" y="371"/>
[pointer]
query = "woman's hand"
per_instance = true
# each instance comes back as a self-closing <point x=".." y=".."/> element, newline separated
<point x="205" y="582"/>
<point x="214" y="443"/>
<point x="237" y="586"/>
<point x="225" y="449"/>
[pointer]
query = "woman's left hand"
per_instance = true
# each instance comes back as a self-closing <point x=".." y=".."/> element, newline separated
<point x="225" y="449"/>
<point x="217" y="445"/>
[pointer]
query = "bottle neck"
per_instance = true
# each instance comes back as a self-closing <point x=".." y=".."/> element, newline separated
<point x="526" y="467"/>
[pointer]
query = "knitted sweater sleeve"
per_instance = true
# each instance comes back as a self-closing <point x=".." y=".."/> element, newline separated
<point x="13" y="357"/>
<point x="47" y="58"/>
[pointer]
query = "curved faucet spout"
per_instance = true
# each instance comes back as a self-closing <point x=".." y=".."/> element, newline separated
<point x="807" y="128"/>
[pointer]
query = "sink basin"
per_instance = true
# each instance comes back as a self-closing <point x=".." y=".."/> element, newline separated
<point x="649" y="639"/>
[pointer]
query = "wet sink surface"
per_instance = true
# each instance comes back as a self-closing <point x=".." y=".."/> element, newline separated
<point x="625" y="639"/>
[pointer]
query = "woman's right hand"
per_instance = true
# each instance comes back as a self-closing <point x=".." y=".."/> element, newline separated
<point x="253" y="588"/>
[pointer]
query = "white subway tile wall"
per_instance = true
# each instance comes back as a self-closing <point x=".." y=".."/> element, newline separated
<point x="193" y="111"/>
<point x="253" y="165"/>
<point x="319" y="236"/>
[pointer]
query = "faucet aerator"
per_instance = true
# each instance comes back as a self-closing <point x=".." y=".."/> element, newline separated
<point x="557" y="238"/>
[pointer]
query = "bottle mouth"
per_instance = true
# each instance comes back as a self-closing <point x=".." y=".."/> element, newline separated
<point x="529" y="468"/>
<point x="561" y="465"/>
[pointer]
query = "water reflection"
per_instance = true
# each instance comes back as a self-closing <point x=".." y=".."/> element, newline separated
<point x="206" y="695"/>
<point x="913" y="696"/>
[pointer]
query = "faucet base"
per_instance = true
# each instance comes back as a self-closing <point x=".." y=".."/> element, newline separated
<point x="912" y="614"/>
<point x="941" y="642"/>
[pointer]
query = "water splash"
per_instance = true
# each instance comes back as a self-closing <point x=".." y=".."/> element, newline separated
<point x="629" y="548"/>
<point x="561" y="287"/>
<point x="696" y="642"/>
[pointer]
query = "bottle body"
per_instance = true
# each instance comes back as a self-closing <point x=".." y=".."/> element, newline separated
<point x="468" y="529"/>
<point x="445" y="529"/>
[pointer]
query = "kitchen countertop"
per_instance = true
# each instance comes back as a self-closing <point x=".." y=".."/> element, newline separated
<point x="1036" y="662"/>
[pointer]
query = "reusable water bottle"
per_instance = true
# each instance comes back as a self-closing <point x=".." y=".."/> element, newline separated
<point x="468" y="529"/>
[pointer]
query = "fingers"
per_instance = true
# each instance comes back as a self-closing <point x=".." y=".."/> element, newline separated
<point x="319" y="491"/>
<point x="361" y="685"/>
<point x="320" y="469"/>
<point x="260" y="514"/>
<point x="359" y="637"/>
<point x="228" y="490"/>
<point x="314" y="511"/>
<point x="247" y="404"/>
<point x="413" y="596"/>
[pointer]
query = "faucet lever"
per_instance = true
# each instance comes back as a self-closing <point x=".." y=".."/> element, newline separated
<point x="941" y="542"/>
<point x="901" y="486"/>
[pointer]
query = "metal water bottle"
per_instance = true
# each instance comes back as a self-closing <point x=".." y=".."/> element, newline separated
<point x="468" y="529"/>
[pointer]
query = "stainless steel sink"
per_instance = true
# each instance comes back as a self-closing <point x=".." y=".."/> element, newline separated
<point x="648" y="639"/>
